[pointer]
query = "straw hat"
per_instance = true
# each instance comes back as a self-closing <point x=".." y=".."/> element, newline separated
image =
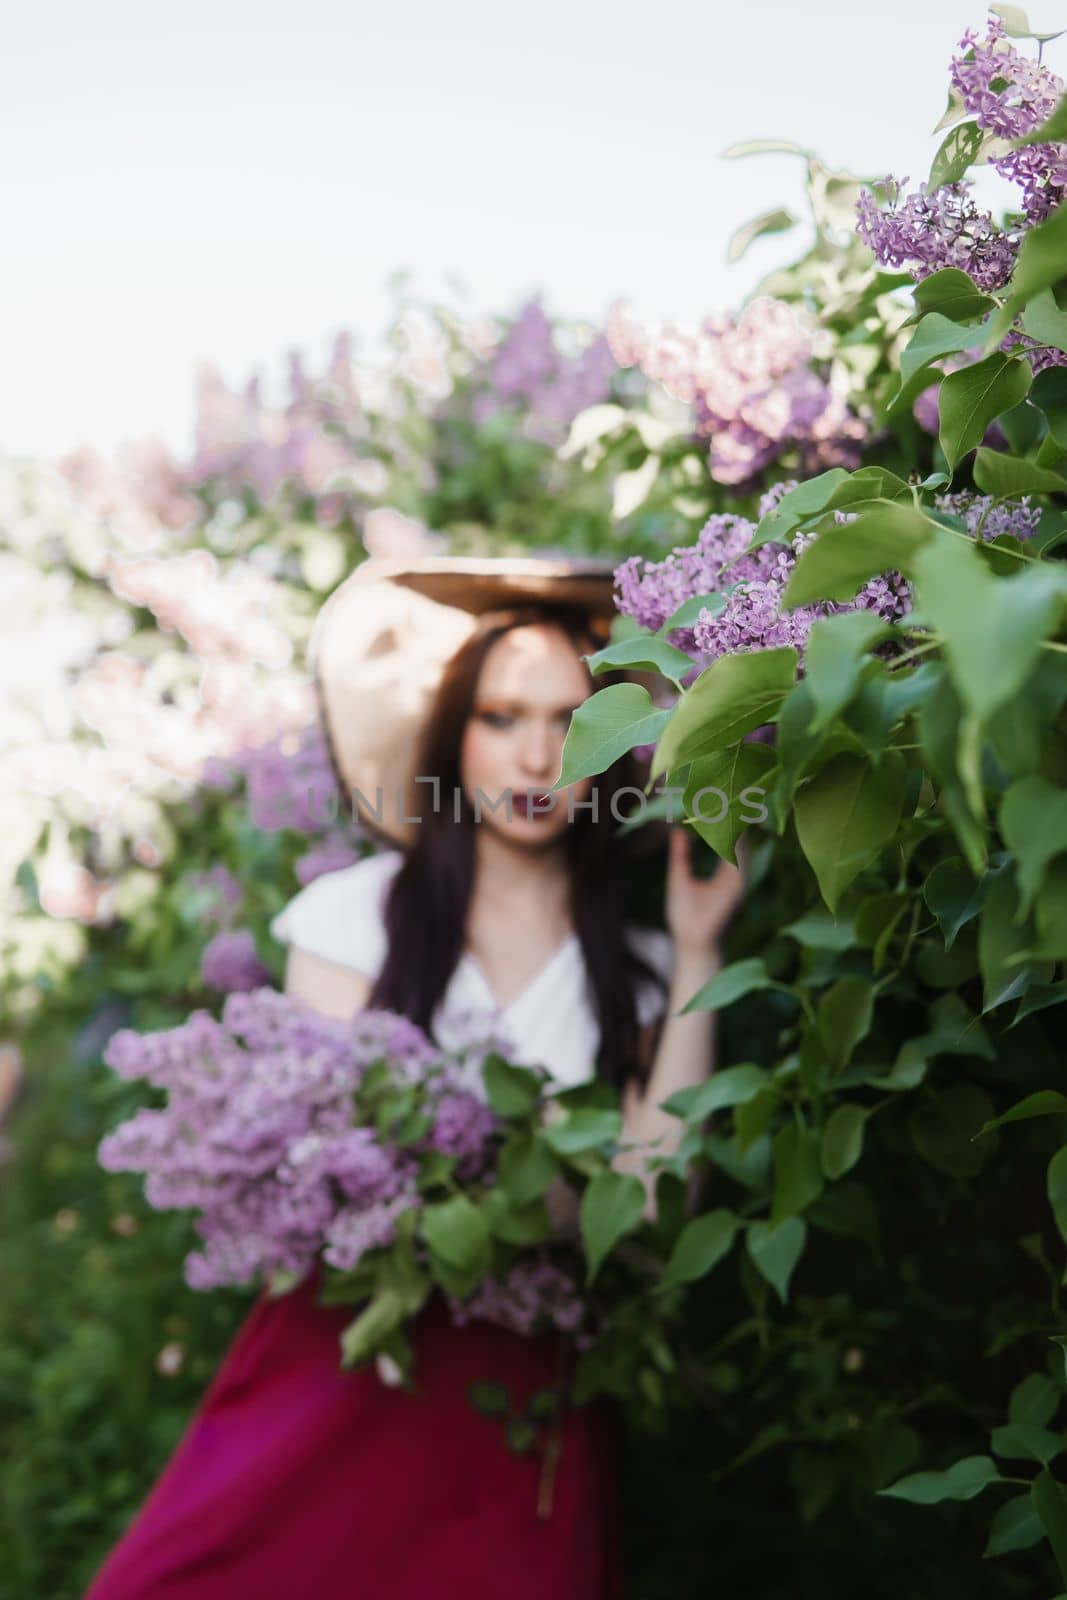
<point x="381" y="643"/>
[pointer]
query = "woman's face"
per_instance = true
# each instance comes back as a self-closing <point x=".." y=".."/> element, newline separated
<point x="531" y="680"/>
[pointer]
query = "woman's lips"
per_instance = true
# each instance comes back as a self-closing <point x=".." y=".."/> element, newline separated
<point x="532" y="803"/>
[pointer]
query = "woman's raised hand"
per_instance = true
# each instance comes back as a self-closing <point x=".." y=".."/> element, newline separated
<point x="697" y="909"/>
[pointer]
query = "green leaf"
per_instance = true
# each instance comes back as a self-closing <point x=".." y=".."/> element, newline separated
<point x="1050" y="914"/>
<point x="1044" y="321"/>
<point x="365" y="1334"/>
<point x="457" y="1231"/>
<point x="729" y="984"/>
<point x="1034" y="1399"/>
<point x="1033" y="821"/>
<point x="1050" y="1504"/>
<point x="796" y="506"/>
<point x="953" y="294"/>
<point x="797" y="1178"/>
<point x="732" y="697"/>
<point x="835" y="655"/>
<point x="993" y="626"/>
<point x="700" y="1246"/>
<point x="583" y="1130"/>
<point x="844" y="1017"/>
<point x="1043" y="1103"/>
<point x="843" y="557"/>
<point x="689" y="610"/>
<point x="776" y="221"/>
<point x="962" y="1481"/>
<point x="607" y="725"/>
<point x="842" y="1140"/>
<point x="999" y="939"/>
<point x="1026" y="1441"/>
<point x="776" y="1250"/>
<point x="727" y="782"/>
<point x="513" y="1091"/>
<point x="729" y="1086"/>
<point x="943" y="1127"/>
<point x="612" y="1206"/>
<point x="647" y="652"/>
<point x="490" y="1398"/>
<point x="1005" y="477"/>
<point x="936" y="336"/>
<point x="956" y="153"/>
<point x="1038" y="266"/>
<point x="526" y="1167"/>
<point x="516" y="1224"/>
<point x="1017" y="26"/>
<point x="953" y="895"/>
<point x="1056" y="1182"/>
<point x="521" y="1435"/>
<point x="1016" y="1526"/>
<point x="1049" y="394"/>
<point x="819" y="929"/>
<point x="846" y="815"/>
<point x="973" y="398"/>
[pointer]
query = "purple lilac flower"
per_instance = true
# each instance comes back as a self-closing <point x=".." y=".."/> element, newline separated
<point x="258" y="1133"/>
<point x="355" y="1231"/>
<point x="925" y="232"/>
<point x="230" y="963"/>
<point x="533" y="1296"/>
<point x="528" y="369"/>
<point x="1011" y="95"/>
<point x="464" y="1127"/>
<point x="753" y="618"/>
<point x="983" y="517"/>
<point x="290" y="781"/>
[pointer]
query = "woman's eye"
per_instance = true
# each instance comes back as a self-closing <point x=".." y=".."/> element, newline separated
<point x="497" y="719"/>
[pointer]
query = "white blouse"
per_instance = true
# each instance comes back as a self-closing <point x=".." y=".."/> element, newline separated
<point x="551" y="1022"/>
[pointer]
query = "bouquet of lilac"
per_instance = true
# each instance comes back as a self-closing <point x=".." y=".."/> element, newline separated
<point x="361" y="1151"/>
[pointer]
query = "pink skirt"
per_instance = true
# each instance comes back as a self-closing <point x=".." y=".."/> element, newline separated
<point x="295" y="1476"/>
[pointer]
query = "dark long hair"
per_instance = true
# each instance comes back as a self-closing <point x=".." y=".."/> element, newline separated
<point x="425" y="910"/>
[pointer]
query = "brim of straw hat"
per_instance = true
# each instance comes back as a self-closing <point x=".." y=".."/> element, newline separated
<point x="381" y="643"/>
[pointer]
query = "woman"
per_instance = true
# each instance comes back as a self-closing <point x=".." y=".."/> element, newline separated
<point x="294" y="1472"/>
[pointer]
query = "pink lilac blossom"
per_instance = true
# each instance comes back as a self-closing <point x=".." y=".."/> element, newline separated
<point x="754" y="385"/>
<point x="230" y="964"/>
<point x="753" y="618"/>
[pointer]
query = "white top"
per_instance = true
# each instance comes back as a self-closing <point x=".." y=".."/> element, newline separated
<point x="338" y="917"/>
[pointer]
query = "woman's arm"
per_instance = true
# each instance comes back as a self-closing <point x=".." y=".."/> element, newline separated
<point x="685" y="1056"/>
<point x="334" y="990"/>
<point x="697" y="910"/>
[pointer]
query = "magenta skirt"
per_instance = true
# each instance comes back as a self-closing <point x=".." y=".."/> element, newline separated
<point x="296" y="1476"/>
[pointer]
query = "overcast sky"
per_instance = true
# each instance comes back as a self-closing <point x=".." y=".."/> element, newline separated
<point x="224" y="181"/>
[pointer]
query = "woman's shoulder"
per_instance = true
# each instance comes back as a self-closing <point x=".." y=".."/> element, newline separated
<point x="338" y="915"/>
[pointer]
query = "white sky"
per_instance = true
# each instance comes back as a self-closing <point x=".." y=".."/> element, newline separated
<point x="226" y="180"/>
